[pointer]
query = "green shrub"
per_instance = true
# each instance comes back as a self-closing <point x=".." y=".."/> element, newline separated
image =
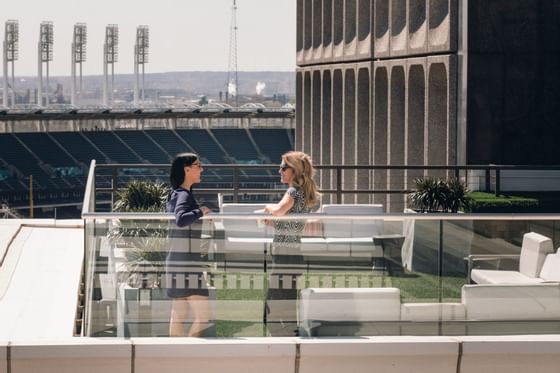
<point x="488" y="202"/>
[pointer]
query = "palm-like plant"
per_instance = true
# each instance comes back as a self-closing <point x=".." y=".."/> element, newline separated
<point x="145" y="240"/>
<point x="437" y="195"/>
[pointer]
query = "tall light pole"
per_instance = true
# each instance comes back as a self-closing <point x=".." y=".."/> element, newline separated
<point x="140" y="59"/>
<point x="79" y="41"/>
<point x="11" y="54"/>
<point x="232" y="84"/>
<point x="110" y="56"/>
<point x="44" y="56"/>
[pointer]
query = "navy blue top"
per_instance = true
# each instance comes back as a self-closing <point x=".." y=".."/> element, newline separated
<point x="182" y="203"/>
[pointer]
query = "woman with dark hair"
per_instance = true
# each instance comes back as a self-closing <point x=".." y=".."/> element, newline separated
<point x="183" y="265"/>
<point x="302" y="196"/>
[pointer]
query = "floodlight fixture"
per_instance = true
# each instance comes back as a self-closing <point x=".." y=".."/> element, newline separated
<point x="142" y="44"/>
<point x="11" y="54"/>
<point x="79" y="41"/>
<point x="11" y="40"/>
<point x="112" y="43"/>
<point x="46" y="41"/>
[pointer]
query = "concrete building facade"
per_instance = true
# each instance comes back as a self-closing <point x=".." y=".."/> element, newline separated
<point x="425" y="82"/>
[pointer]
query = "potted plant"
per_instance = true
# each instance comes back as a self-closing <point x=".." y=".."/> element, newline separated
<point x="438" y="195"/>
<point x="424" y="237"/>
<point x="145" y="241"/>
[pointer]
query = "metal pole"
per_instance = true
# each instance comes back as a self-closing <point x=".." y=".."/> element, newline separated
<point x="105" y="78"/>
<point x="136" y="79"/>
<point x="73" y="78"/>
<point x="339" y="185"/>
<point x="40" y="75"/>
<point x="5" y="63"/>
<point x="31" y="196"/>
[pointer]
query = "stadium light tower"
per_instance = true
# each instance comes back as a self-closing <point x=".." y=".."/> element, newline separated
<point x="44" y="56"/>
<point x="232" y="84"/>
<point x="110" y="56"/>
<point x="11" y="54"/>
<point x="79" y="41"/>
<point x="140" y="59"/>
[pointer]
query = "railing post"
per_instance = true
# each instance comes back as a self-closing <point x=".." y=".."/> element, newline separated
<point x="338" y="185"/>
<point x="114" y="185"/>
<point x="498" y="186"/>
<point x="236" y="185"/>
<point x="487" y="179"/>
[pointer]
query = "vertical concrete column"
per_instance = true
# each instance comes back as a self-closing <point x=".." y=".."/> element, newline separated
<point x="327" y="30"/>
<point x="438" y="110"/>
<point x="326" y="130"/>
<point x="442" y="25"/>
<point x="349" y="132"/>
<point x="365" y="19"/>
<point x="299" y="32"/>
<point x="337" y="121"/>
<point x="299" y="110"/>
<point x="442" y="114"/>
<point x="317" y="30"/>
<point x="452" y="118"/>
<point x="307" y="106"/>
<point x="363" y="128"/>
<point x="350" y="23"/>
<point x="380" y="124"/>
<point x="417" y="27"/>
<point x="338" y="29"/>
<point x="395" y="149"/>
<point x="415" y="118"/>
<point x="315" y="137"/>
<point x="398" y="28"/>
<point x="381" y="26"/>
<point x="308" y="30"/>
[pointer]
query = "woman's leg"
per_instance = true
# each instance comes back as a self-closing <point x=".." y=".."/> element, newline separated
<point x="200" y="307"/>
<point x="179" y="313"/>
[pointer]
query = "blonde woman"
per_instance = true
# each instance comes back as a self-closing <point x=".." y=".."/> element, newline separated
<point x="297" y="172"/>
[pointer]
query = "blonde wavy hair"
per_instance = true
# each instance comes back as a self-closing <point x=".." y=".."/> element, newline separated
<point x="304" y="174"/>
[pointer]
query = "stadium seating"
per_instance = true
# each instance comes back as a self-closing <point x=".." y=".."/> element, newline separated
<point x="58" y="161"/>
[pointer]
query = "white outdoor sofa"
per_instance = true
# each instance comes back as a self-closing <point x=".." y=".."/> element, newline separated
<point x="484" y="309"/>
<point x="537" y="264"/>
<point x="339" y="238"/>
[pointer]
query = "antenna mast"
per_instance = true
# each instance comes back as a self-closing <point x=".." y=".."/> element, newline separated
<point x="232" y="84"/>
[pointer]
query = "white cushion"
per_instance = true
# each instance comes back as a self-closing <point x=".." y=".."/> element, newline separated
<point x="488" y="276"/>
<point x="512" y="302"/>
<point x="533" y="251"/>
<point x="239" y="227"/>
<point x="551" y="268"/>
<point x="349" y="227"/>
<point x="350" y="304"/>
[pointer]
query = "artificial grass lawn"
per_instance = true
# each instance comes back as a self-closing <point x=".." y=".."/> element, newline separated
<point x="414" y="287"/>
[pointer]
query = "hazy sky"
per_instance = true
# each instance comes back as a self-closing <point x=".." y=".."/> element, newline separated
<point x="185" y="35"/>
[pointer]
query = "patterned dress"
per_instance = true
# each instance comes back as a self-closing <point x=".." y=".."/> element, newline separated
<point x="287" y="265"/>
<point x="287" y="233"/>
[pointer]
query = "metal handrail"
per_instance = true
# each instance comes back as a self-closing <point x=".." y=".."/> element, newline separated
<point x="324" y="216"/>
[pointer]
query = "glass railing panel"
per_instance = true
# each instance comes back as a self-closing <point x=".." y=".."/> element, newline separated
<point x="320" y="275"/>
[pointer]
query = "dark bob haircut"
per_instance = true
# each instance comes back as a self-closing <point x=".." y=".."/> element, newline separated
<point x="181" y="160"/>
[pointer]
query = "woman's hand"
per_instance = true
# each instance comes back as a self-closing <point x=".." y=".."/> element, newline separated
<point x="205" y="210"/>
